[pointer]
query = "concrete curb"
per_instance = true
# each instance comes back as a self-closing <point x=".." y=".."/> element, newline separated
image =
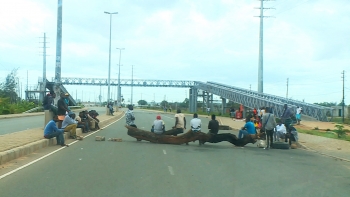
<point x="27" y="149"/>
<point x="315" y="151"/>
<point x="8" y="116"/>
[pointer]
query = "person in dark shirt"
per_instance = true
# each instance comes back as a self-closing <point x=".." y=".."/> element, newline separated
<point x="62" y="108"/>
<point x="213" y="125"/>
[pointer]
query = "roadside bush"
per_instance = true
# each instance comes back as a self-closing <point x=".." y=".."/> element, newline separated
<point x="340" y="130"/>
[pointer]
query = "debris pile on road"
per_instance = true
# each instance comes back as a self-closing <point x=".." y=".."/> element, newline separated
<point x="115" y="139"/>
<point x="100" y="138"/>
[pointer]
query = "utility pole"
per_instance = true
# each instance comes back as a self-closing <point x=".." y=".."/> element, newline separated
<point x="250" y="87"/>
<point x="132" y="81"/>
<point x="343" y="105"/>
<point x="43" y="86"/>
<point x="261" y="38"/>
<point x="58" y="43"/>
<point x="287" y="88"/>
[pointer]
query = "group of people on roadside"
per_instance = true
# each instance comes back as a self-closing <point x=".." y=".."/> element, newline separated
<point x="265" y="124"/>
<point x="67" y="121"/>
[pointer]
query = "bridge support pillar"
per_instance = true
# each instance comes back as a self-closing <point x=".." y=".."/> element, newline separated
<point x="193" y="100"/>
<point x="223" y="108"/>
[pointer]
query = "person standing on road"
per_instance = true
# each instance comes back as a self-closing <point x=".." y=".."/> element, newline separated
<point x="213" y="125"/>
<point x="180" y="122"/>
<point x="286" y="118"/>
<point x="298" y="114"/>
<point x="208" y="111"/>
<point x="268" y="123"/>
<point x="51" y="131"/>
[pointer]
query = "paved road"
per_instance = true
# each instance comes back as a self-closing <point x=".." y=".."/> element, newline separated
<point x="131" y="168"/>
<point x="11" y="125"/>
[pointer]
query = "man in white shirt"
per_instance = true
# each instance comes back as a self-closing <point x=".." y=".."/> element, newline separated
<point x="280" y="131"/>
<point x="196" y="123"/>
<point x="298" y="114"/>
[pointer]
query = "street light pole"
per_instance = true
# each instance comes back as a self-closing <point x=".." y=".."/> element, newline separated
<point x="109" y="66"/>
<point x="119" y="90"/>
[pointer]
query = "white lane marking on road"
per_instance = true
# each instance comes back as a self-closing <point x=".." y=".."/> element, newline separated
<point x="43" y="157"/>
<point x="171" y="170"/>
<point x="164" y="152"/>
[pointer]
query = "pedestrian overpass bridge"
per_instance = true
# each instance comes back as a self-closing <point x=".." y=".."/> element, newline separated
<point x="248" y="98"/>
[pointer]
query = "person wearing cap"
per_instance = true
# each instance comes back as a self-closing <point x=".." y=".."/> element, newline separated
<point x="158" y="126"/>
<point x="70" y="125"/>
<point x="62" y="108"/>
<point x="66" y="95"/>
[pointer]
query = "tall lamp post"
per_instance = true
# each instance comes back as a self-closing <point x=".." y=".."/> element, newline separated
<point x="109" y="66"/>
<point x="119" y="90"/>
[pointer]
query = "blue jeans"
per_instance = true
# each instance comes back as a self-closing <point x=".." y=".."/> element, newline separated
<point x="242" y="133"/>
<point x="59" y="136"/>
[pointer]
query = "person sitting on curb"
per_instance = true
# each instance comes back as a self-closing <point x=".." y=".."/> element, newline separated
<point x="70" y="125"/>
<point x="213" y="125"/>
<point x="81" y="124"/>
<point x="51" y="131"/>
<point x="48" y="102"/>
<point x="158" y="126"/>
<point x="248" y="129"/>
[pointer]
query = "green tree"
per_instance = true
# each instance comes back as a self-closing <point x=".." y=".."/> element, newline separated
<point x="327" y="104"/>
<point x="185" y="103"/>
<point x="164" y="104"/>
<point x="8" y="88"/>
<point x="142" y="102"/>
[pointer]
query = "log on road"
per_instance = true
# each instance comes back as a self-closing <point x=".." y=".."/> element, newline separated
<point x="189" y="137"/>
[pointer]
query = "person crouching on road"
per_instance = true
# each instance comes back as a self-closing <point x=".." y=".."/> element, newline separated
<point x="196" y="123"/>
<point x="51" y="131"/>
<point x="158" y="126"/>
<point x="248" y="129"/>
<point x="70" y="125"/>
<point x="213" y="125"/>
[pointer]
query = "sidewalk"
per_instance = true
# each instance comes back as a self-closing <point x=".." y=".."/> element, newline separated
<point x="20" y="143"/>
<point x="339" y="149"/>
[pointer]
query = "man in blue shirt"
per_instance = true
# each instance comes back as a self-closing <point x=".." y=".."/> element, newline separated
<point x="248" y="129"/>
<point x="51" y="131"/>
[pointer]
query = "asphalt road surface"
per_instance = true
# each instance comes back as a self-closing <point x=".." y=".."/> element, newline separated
<point x="131" y="168"/>
<point x="10" y="125"/>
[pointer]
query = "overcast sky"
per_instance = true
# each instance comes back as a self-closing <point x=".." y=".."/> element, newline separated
<point x="200" y="40"/>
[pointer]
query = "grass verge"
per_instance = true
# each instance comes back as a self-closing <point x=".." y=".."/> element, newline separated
<point x="328" y="134"/>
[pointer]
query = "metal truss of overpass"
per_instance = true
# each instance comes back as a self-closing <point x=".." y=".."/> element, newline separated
<point x="128" y="82"/>
<point x="253" y="99"/>
<point x="250" y="99"/>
